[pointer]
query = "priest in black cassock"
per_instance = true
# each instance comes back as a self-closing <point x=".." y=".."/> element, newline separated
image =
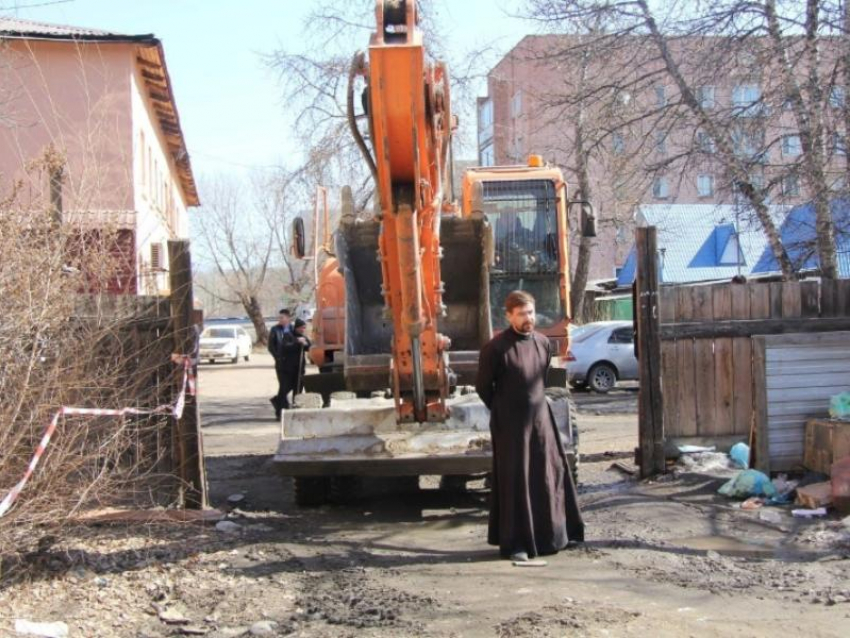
<point x="534" y="507"/>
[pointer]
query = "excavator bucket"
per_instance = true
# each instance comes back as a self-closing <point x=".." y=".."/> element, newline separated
<point x="362" y="436"/>
<point x="466" y="317"/>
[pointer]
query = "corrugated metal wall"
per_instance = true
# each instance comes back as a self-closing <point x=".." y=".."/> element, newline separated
<point x="802" y="373"/>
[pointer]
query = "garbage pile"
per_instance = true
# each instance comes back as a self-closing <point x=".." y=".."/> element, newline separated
<point x="754" y="489"/>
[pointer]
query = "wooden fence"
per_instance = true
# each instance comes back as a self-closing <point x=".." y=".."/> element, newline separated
<point x="712" y="372"/>
<point x="136" y="337"/>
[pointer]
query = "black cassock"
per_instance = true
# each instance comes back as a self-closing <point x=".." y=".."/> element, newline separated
<point x="533" y="505"/>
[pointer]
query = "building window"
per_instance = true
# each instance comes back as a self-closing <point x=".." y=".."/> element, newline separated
<point x="143" y="158"/>
<point x="485" y="121"/>
<point x="705" y="97"/>
<point x="705" y="185"/>
<point x="705" y="143"/>
<point x="156" y="256"/>
<point x="791" y="146"/>
<point x="618" y="144"/>
<point x="660" y="189"/>
<point x="749" y="145"/>
<point x="746" y="100"/>
<point x="836" y="97"/>
<point x="839" y="145"/>
<point x="791" y="186"/>
<point x="660" y="142"/>
<point x="732" y="254"/>
<point x="487" y="157"/>
<point x="516" y="104"/>
<point x="660" y="96"/>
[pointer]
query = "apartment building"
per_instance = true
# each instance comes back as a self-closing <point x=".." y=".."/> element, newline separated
<point x="643" y="147"/>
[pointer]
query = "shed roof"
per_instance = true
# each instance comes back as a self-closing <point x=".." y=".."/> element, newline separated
<point x="151" y="59"/>
<point x="692" y="239"/>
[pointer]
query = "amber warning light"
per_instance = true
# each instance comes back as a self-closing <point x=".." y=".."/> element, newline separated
<point x="535" y="161"/>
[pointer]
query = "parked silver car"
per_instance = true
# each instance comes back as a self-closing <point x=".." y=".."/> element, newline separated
<point x="601" y="354"/>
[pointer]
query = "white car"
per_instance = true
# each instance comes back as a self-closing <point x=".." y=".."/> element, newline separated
<point x="225" y="342"/>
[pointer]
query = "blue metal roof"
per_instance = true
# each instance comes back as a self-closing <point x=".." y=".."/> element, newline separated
<point x="799" y="235"/>
<point x="693" y="238"/>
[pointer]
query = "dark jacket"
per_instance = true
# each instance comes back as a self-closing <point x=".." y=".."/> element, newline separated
<point x="276" y="338"/>
<point x="290" y="354"/>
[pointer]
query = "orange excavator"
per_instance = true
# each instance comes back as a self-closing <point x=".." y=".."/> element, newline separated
<point x="424" y="283"/>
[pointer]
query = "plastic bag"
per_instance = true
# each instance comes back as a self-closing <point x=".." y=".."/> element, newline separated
<point x="740" y="454"/>
<point x="748" y="483"/>
<point x="839" y="406"/>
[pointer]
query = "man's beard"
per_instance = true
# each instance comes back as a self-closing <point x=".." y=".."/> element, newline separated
<point x="527" y="326"/>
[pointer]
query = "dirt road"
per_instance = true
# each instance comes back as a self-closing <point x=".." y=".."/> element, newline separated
<point x="667" y="558"/>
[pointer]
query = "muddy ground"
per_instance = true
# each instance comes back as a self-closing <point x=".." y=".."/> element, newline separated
<point x="663" y="558"/>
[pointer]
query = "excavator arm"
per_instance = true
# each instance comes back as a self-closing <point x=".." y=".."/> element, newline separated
<point x="410" y="128"/>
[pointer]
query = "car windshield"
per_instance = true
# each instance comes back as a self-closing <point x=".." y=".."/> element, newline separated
<point x="218" y="333"/>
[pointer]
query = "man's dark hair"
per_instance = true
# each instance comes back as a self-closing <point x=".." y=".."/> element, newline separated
<point x="285" y="311"/>
<point x="518" y="298"/>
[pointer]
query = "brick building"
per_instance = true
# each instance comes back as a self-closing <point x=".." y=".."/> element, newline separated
<point x="642" y="148"/>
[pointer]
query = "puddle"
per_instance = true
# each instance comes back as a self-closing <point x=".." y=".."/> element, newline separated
<point x="729" y="546"/>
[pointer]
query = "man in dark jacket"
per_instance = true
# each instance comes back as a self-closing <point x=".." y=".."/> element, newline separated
<point x="534" y="508"/>
<point x="279" y="333"/>
<point x="290" y="345"/>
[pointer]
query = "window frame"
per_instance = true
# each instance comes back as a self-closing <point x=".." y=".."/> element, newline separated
<point x="710" y="179"/>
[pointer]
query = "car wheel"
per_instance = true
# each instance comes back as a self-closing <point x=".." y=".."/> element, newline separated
<point x="602" y="378"/>
<point x="235" y="359"/>
<point x="247" y="357"/>
<point x="212" y="362"/>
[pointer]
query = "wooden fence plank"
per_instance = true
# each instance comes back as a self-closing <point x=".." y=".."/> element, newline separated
<point x="740" y="301"/>
<point x="842" y="301"/>
<point x="828" y="298"/>
<point x="650" y="399"/>
<point x="704" y="362"/>
<point x="791" y="301"/>
<point x="809" y="306"/>
<point x="742" y="380"/>
<point x="759" y="300"/>
<point x="752" y="327"/>
<point x="775" y="299"/>
<point x="670" y="381"/>
<point x="758" y="432"/>
<point x="684" y="303"/>
<point x="724" y="388"/>
<point x="704" y="386"/>
<point x="686" y="425"/>
<point x="668" y="304"/>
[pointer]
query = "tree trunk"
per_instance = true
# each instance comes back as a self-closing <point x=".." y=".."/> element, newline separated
<point x="255" y="314"/>
<point x="582" y="269"/>
<point x="723" y="141"/>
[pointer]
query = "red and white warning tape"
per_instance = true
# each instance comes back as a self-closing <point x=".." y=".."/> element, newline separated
<point x="176" y="409"/>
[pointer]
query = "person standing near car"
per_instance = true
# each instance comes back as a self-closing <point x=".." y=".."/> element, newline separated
<point x="280" y="332"/>
<point x="534" y="507"/>
<point x="292" y="365"/>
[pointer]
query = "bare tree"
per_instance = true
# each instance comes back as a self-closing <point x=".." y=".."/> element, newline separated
<point x="237" y="244"/>
<point x="794" y="59"/>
